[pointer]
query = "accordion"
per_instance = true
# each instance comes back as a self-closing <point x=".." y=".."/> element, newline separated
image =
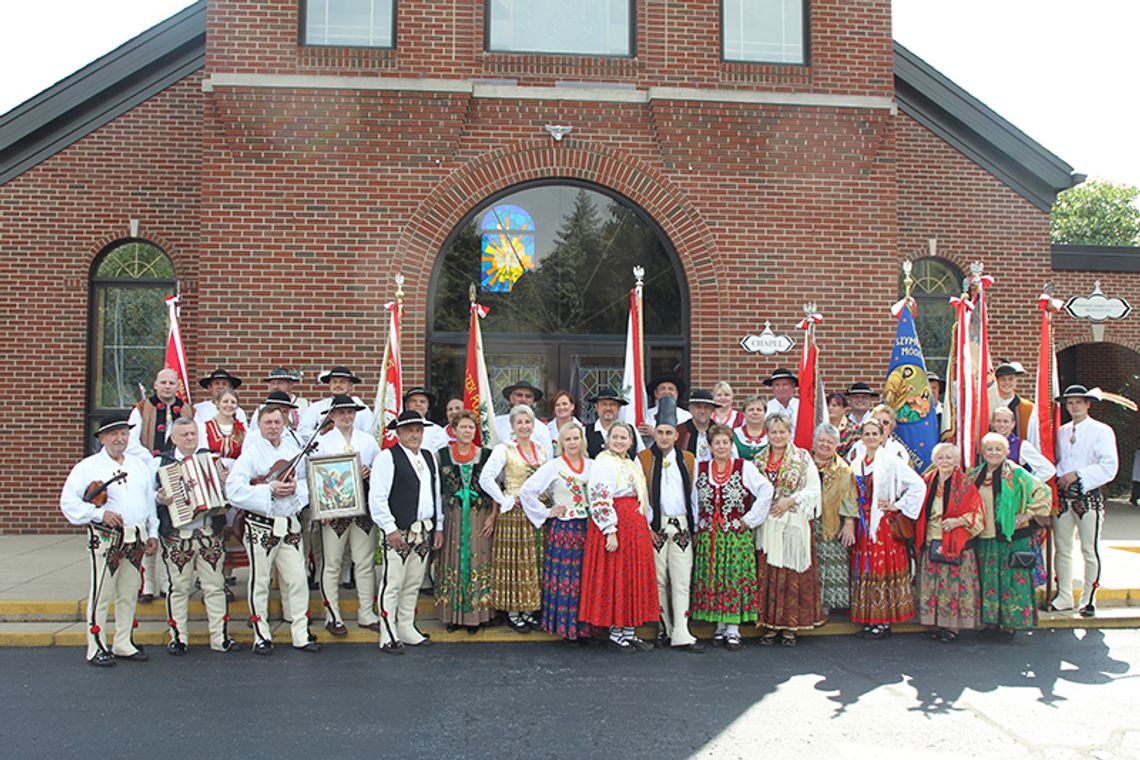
<point x="195" y="487"/>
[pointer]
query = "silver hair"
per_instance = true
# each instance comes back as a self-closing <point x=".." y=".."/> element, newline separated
<point x="940" y="447"/>
<point x="518" y="409"/>
<point x="182" y="422"/>
<point x="825" y="428"/>
<point x="752" y="400"/>
<point x="775" y="417"/>
<point x="996" y="438"/>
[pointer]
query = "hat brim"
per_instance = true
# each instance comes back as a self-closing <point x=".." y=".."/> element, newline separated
<point x="112" y="426"/>
<point x="596" y="399"/>
<point x="651" y="386"/>
<point x="430" y="396"/>
<point x="518" y="386"/>
<point x="1085" y="396"/>
<point x="294" y="378"/>
<point x="705" y="401"/>
<point x="281" y="404"/>
<point x="326" y="378"/>
<point x="771" y="380"/>
<point x="396" y="424"/>
<point x="235" y="383"/>
<point x="353" y="407"/>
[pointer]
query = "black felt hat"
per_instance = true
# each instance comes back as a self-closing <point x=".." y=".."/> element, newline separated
<point x="701" y="396"/>
<point x="1078" y="391"/>
<point x="341" y="401"/>
<point x="279" y="398"/>
<point x="860" y="389"/>
<point x="220" y="374"/>
<point x="606" y="393"/>
<point x="112" y="422"/>
<point x="666" y="411"/>
<point x="782" y="374"/>
<point x="281" y="373"/>
<point x="338" y="371"/>
<point x="406" y="418"/>
<point x="651" y="386"/>
<point x="521" y="385"/>
<point x="419" y="391"/>
<point x="1005" y="368"/>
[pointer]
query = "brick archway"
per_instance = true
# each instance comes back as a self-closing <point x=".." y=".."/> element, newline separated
<point x="464" y="189"/>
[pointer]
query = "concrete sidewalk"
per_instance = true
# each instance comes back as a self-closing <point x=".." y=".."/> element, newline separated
<point x="43" y="590"/>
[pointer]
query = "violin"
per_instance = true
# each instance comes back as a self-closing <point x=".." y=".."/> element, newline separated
<point x="96" y="491"/>
<point x="283" y="469"/>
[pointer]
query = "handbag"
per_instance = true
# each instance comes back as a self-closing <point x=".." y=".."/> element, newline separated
<point x="901" y="526"/>
<point x="1022" y="560"/>
<point x="935" y="554"/>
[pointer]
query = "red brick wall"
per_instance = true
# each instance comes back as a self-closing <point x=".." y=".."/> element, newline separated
<point x="55" y="219"/>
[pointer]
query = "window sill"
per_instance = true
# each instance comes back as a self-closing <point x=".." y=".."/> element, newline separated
<point x="561" y="66"/>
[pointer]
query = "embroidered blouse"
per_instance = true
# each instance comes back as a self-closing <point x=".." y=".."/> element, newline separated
<point x="557" y="485"/>
<point x="613" y="477"/>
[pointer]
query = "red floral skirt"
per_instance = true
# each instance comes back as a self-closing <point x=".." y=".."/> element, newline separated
<point x="620" y="588"/>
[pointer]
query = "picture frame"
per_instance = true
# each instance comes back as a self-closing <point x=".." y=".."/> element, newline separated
<point x="336" y="488"/>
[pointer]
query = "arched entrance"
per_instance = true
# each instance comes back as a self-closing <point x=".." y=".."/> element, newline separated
<point x="553" y="261"/>
<point x="1114" y="368"/>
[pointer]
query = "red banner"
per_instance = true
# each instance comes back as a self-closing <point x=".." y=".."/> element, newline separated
<point x="175" y="352"/>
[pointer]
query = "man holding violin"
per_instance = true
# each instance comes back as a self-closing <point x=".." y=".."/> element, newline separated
<point x="112" y="494"/>
<point x="268" y="482"/>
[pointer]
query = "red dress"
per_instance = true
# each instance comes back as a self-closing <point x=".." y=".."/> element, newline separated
<point x="881" y="587"/>
<point x="225" y="446"/>
<point x="619" y="589"/>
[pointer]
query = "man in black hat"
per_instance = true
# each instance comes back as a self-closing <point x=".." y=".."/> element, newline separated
<point x="112" y="494"/>
<point x="693" y="436"/>
<point x="783" y="383"/>
<point x="664" y="385"/>
<point x="421" y="400"/>
<point x="282" y="380"/>
<point x="217" y="381"/>
<point x="404" y="501"/>
<point x="861" y="399"/>
<point x="340" y="381"/>
<point x="1087" y="461"/>
<point x="669" y="477"/>
<point x="192" y="552"/>
<point x="281" y="400"/>
<point x="1006" y="376"/>
<point x="523" y="392"/>
<point x="273" y="500"/>
<point x="356" y="534"/>
<point x="608" y="403"/>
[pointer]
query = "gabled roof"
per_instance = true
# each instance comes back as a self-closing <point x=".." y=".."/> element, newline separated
<point x="979" y="132"/>
<point x="110" y="86"/>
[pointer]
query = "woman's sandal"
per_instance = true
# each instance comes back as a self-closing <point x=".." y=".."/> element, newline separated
<point x="788" y="641"/>
<point x="733" y="643"/>
<point x="768" y="639"/>
<point x="947" y="637"/>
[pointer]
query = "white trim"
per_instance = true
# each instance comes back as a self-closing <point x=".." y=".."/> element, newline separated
<point x="515" y="92"/>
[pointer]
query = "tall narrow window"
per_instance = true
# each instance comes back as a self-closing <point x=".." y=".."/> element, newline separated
<point x="129" y="286"/>
<point x="935" y="281"/>
<point x="763" y="31"/>
<point x="349" y="23"/>
<point x="582" y="27"/>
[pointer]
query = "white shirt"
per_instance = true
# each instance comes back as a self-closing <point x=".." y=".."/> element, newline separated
<point x="672" y="494"/>
<point x="333" y="442"/>
<point x="435" y="437"/>
<point x="257" y="458"/>
<point x="204" y="411"/>
<point x="301" y="403"/>
<point x="312" y="417"/>
<point x="1092" y="455"/>
<point x="1031" y="458"/>
<point x="541" y="434"/>
<point x="132" y="499"/>
<point x="428" y="505"/>
<point x="858" y="422"/>
<point x="891" y="446"/>
<point x="792" y="409"/>
<point x="683" y="416"/>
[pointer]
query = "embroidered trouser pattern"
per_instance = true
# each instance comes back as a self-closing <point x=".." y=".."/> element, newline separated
<point x="187" y="555"/>
<point x="673" y="557"/>
<point x="268" y="550"/>
<point x="115" y="573"/>
<point x="401" y="574"/>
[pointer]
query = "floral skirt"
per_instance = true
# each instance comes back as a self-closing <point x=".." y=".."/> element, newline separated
<point x="787" y="600"/>
<point x="1008" y="597"/>
<point x="620" y="588"/>
<point x="464" y="600"/>
<point x="834" y="562"/>
<point x="564" y="548"/>
<point x="949" y="595"/>
<point x="515" y="556"/>
<point x="881" y="589"/>
<point x="724" y="577"/>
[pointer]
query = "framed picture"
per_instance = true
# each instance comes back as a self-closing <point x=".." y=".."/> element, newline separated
<point x="335" y="486"/>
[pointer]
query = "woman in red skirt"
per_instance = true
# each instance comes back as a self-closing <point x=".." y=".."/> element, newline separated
<point x="619" y="581"/>
<point x="881" y="588"/>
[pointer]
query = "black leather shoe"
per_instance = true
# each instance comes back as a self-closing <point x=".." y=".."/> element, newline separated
<point x="392" y="647"/>
<point x="138" y="656"/>
<point x="624" y="647"/>
<point x="425" y="643"/>
<point x="695" y="648"/>
<point x="374" y="627"/>
<point x="263" y="647"/>
<point x="336" y="628"/>
<point x="641" y="645"/>
<point x="312" y="646"/>
<point x="1089" y="610"/>
<point x="661" y="642"/>
<point x="718" y="640"/>
<point x="229" y="644"/>
<point x="733" y="643"/>
<point x="102" y="660"/>
<point x="177" y="648"/>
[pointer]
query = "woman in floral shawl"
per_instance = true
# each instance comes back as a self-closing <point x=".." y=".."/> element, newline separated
<point x="787" y="577"/>
<point x="1012" y="498"/>
<point x="952" y="514"/>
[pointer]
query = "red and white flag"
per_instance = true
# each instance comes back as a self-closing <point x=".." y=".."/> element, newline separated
<point x="963" y="382"/>
<point x="983" y="368"/>
<point x="810" y="411"/>
<point x="389" y="394"/>
<point x="175" y="352"/>
<point x="476" y="385"/>
<point x="1046" y="416"/>
<point x="633" y="378"/>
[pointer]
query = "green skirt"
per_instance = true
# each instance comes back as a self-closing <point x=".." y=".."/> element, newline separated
<point x="1008" y="598"/>
<point x="724" y="578"/>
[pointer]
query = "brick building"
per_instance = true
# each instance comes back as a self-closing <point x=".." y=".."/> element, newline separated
<point x="277" y="162"/>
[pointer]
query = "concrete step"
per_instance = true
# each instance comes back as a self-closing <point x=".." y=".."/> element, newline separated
<point x="154" y="634"/>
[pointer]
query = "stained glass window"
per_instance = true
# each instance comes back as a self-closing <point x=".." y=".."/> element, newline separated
<point x="508" y="247"/>
<point x="935" y="280"/>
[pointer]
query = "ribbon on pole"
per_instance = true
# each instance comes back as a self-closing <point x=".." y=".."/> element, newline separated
<point x="811" y="387"/>
<point x="1046" y="416"/>
<point x="963" y="381"/>
<point x="476" y="385"/>
<point x="389" y="393"/>
<point x="633" y="376"/>
<point x="175" y="351"/>
<point x="983" y="370"/>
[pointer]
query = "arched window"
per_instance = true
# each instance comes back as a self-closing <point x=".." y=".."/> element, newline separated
<point x="127" y="342"/>
<point x="935" y="281"/>
<point x="553" y="262"/>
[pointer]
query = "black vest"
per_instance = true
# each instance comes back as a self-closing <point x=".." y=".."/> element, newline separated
<point x="655" y="484"/>
<point x="691" y="436"/>
<point x="596" y="444"/>
<point x="404" y="498"/>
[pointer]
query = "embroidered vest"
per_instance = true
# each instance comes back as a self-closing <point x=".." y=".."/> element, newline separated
<point x="723" y="504"/>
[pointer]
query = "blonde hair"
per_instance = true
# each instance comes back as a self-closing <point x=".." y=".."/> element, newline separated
<point x="996" y="438"/>
<point x="723" y="386"/>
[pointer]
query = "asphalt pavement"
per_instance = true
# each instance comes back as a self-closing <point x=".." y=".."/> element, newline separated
<point x="1048" y="694"/>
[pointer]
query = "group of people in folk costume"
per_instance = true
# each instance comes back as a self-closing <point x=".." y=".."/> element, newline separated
<point x="708" y="514"/>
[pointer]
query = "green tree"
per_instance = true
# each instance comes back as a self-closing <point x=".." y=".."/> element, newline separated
<point x="1097" y="213"/>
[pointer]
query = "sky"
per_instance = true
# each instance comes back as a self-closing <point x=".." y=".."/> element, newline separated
<point x="1062" y="71"/>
